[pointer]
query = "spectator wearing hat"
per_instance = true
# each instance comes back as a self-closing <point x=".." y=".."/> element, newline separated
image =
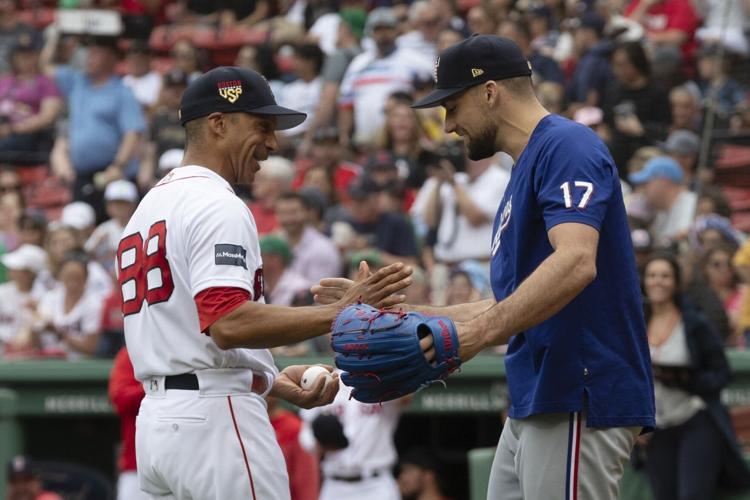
<point x="665" y="192"/>
<point x="635" y="109"/>
<point x="17" y="298"/>
<point x="544" y="68"/>
<point x="24" y="482"/>
<point x="593" y="73"/>
<point x="668" y="23"/>
<point x="387" y="233"/>
<point x="11" y="29"/>
<point x="141" y="79"/>
<point x="280" y="281"/>
<point x="314" y="256"/>
<point x="29" y="105"/>
<point x="104" y="128"/>
<point x="69" y="315"/>
<point x="683" y="147"/>
<point x="420" y="476"/>
<point x="121" y="199"/>
<point x="80" y="216"/>
<point x="166" y="132"/>
<point x="304" y="92"/>
<point x="274" y="178"/>
<point x="350" y="32"/>
<point x="373" y="76"/>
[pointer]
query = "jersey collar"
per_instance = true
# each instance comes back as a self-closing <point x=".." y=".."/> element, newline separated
<point x="198" y="171"/>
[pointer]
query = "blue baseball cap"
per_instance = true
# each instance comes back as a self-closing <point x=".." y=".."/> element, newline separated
<point x="661" y="167"/>
<point x="477" y="59"/>
<point x="230" y="89"/>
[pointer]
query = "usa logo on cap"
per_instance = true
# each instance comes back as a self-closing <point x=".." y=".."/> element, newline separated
<point x="231" y="90"/>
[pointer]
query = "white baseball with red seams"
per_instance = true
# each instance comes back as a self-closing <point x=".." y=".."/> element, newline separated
<point x="310" y="376"/>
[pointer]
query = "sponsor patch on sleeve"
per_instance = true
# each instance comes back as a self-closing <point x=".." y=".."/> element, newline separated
<point x="230" y="255"/>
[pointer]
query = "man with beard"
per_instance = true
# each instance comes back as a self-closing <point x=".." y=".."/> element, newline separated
<point x="566" y="288"/>
<point x="197" y="329"/>
<point x="566" y="295"/>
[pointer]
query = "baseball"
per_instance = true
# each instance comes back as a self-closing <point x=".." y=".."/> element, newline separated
<point x="311" y="375"/>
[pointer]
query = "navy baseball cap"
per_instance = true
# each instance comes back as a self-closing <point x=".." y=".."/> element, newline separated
<point x="229" y="89"/>
<point x="474" y="61"/>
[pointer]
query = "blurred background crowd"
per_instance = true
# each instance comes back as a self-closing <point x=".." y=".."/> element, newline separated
<point x="88" y="124"/>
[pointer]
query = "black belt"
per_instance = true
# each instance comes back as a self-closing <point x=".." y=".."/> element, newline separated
<point x="185" y="381"/>
<point x="354" y="479"/>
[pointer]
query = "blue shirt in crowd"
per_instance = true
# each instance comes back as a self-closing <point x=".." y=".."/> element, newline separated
<point x="593" y="354"/>
<point x="99" y="117"/>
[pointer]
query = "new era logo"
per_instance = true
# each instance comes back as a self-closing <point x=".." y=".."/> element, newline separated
<point x="230" y="255"/>
<point x="476" y="72"/>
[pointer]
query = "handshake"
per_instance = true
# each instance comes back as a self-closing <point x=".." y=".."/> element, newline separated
<point x="388" y="353"/>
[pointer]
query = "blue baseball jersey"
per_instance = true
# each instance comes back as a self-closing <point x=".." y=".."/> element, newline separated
<point x="593" y="354"/>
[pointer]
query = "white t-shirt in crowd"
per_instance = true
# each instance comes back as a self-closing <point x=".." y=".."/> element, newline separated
<point x="197" y="234"/>
<point x="102" y="244"/>
<point x="99" y="281"/>
<point x="302" y="96"/>
<point x="16" y="311"/>
<point x="369" y="429"/>
<point x="81" y="321"/>
<point x="457" y="239"/>
<point x="370" y="80"/>
<point x="672" y="223"/>
<point x="145" y="88"/>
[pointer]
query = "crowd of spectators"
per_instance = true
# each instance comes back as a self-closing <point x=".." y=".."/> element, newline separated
<point x="94" y="121"/>
<point x="366" y="177"/>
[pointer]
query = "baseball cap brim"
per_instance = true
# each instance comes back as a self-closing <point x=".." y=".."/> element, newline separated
<point x="436" y="97"/>
<point x="640" y="177"/>
<point x="285" y="118"/>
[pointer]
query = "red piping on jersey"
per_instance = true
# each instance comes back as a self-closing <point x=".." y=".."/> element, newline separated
<point x="242" y="446"/>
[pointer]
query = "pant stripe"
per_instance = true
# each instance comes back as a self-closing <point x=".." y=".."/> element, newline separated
<point x="242" y="446"/>
<point x="574" y="449"/>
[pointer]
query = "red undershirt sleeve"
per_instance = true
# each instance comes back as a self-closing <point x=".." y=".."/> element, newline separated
<point x="213" y="303"/>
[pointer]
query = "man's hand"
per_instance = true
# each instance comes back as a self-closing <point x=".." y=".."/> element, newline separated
<point x="378" y="289"/>
<point x="287" y="387"/>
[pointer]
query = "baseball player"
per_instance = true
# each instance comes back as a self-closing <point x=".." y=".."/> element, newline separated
<point x="361" y="467"/>
<point x="566" y="293"/>
<point x="196" y="327"/>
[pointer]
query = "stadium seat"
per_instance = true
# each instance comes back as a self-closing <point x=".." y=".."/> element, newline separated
<point x="33" y="174"/>
<point x="480" y="464"/>
<point x="38" y="17"/>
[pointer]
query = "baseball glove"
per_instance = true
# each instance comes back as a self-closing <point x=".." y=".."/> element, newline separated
<point x="380" y="354"/>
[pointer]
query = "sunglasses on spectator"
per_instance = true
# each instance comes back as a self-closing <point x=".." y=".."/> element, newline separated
<point x="8" y="189"/>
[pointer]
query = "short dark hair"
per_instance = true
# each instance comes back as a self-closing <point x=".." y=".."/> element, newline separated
<point x="311" y="52"/>
<point x="637" y="57"/>
<point x="78" y="256"/>
<point x="519" y="86"/>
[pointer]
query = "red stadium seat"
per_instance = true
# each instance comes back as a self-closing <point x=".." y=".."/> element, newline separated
<point x="38" y="17"/>
<point x="33" y="175"/>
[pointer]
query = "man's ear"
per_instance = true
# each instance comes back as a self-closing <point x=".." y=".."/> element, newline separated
<point x="217" y="124"/>
<point x="490" y="93"/>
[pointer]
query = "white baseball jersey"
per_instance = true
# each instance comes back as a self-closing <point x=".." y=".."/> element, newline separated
<point x="189" y="233"/>
<point x="81" y="321"/>
<point x="369" y="429"/>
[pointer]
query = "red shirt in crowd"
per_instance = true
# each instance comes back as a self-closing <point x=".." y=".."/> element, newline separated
<point x="671" y="15"/>
<point x="304" y="480"/>
<point x="265" y="218"/>
<point x="344" y="175"/>
<point x="126" y="394"/>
